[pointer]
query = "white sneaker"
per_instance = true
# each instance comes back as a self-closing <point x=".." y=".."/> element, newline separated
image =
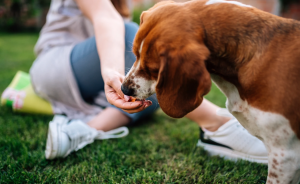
<point x="232" y="141"/>
<point x="65" y="136"/>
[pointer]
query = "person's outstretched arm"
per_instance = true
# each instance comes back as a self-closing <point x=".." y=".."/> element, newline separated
<point x="110" y="32"/>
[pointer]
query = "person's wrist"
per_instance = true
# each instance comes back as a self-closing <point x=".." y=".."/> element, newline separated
<point x="109" y="75"/>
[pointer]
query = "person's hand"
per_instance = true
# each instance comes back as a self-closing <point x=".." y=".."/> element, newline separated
<point x="115" y="96"/>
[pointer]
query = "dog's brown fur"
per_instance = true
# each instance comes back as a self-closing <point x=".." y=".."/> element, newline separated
<point x="179" y="44"/>
<point x="256" y="51"/>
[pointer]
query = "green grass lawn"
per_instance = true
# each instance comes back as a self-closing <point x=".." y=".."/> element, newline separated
<point x="158" y="150"/>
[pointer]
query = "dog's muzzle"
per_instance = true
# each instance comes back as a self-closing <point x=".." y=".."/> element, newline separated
<point x="127" y="90"/>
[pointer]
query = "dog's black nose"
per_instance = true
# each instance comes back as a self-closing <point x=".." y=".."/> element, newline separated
<point x="126" y="90"/>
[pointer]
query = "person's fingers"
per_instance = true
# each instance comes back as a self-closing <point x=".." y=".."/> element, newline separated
<point x="126" y="98"/>
<point x="114" y="99"/>
<point x="122" y="104"/>
<point x="143" y="107"/>
<point x="147" y="103"/>
<point x="116" y="85"/>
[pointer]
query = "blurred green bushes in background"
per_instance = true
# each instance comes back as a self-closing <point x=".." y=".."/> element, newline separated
<point x="23" y="15"/>
<point x="30" y="15"/>
<point x="286" y="3"/>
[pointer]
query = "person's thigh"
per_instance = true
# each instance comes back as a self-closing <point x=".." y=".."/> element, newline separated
<point x="85" y="63"/>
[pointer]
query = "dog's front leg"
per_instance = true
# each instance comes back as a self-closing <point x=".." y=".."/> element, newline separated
<point x="281" y="141"/>
<point x="284" y="156"/>
<point x="283" y="166"/>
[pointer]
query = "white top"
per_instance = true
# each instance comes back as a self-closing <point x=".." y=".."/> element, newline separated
<point x="65" y="25"/>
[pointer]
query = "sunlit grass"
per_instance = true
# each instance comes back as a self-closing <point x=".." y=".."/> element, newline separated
<point x="158" y="150"/>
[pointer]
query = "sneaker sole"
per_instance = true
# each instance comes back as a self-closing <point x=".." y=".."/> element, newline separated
<point x="230" y="154"/>
<point x="52" y="148"/>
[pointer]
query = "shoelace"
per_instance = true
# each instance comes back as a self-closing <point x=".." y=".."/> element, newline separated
<point x="116" y="133"/>
<point x="80" y="142"/>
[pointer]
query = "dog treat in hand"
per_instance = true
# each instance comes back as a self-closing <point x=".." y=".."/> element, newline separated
<point x="132" y="99"/>
<point x="129" y="98"/>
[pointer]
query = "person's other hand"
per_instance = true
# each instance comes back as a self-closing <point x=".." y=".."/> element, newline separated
<point x="115" y="96"/>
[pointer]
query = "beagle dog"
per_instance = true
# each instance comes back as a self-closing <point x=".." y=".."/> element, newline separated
<point x="252" y="56"/>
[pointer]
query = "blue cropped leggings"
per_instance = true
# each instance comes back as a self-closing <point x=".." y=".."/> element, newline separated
<point x="85" y="63"/>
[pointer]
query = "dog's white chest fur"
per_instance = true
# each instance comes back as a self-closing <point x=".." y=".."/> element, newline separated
<point x="251" y="118"/>
<point x="272" y="128"/>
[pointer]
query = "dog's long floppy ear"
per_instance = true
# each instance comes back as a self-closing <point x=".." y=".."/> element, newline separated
<point x="183" y="79"/>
